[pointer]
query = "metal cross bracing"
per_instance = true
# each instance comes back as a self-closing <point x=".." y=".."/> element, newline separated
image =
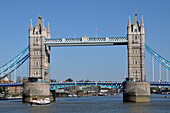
<point x="116" y="85"/>
<point x="85" y="41"/>
<point x="58" y="85"/>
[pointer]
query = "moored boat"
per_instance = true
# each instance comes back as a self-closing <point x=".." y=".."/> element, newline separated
<point x="35" y="101"/>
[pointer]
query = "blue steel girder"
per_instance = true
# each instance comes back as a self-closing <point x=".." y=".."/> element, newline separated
<point x="14" y="66"/>
<point x="10" y="84"/>
<point x="67" y="84"/>
<point x="117" y="85"/>
<point x="159" y="58"/>
<point x="11" y="63"/>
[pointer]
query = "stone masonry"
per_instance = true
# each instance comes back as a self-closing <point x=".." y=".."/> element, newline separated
<point x="136" y="50"/>
<point x="39" y="65"/>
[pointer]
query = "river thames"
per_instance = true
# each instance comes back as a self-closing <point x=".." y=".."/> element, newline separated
<point x="91" y="104"/>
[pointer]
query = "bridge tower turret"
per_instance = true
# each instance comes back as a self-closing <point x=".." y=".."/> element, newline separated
<point x="39" y="63"/>
<point x="136" y="50"/>
<point x="135" y="89"/>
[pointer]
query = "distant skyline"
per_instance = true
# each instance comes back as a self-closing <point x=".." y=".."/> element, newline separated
<point x="78" y="18"/>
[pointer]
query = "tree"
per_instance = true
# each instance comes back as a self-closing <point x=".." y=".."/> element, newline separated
<point x="2" y="89"/>
<point x="98" y="88"/>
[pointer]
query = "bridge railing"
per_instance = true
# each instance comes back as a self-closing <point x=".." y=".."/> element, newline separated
<point x="80" y="40"/>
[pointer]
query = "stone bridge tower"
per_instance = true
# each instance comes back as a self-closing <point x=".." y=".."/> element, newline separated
<point x="39" y="65"/>
<point x="135" y="89"/>
<point x="136" y="50"/>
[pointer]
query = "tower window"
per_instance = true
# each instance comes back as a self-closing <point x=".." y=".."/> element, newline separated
<point x="135" y="30"/>
<point x="34" y="72"/>
<point x="133" y="62"/>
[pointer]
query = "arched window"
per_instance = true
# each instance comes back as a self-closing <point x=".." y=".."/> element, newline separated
<point x="34" y="72"/>
<point x="136" y="72"/>
<point x="136" y="62"/>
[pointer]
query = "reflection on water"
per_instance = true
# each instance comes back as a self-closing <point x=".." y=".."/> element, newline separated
<point x="105" y="104"/>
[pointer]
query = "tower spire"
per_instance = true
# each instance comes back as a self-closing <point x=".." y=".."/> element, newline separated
<point x="48" y="29"/>
<point x="48" y="32"/>
<point x="142" y="28"/>
<point x="135" y="12"/>
<point x="39" y="17"/>
<point x="136" y="19"/>
<point x="31" y="25"/>
<point x="142" y="24"/>
<point x="129" y="22"/>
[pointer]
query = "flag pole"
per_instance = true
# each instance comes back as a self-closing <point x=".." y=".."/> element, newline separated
<point x="74" y="33"/>
<point x="96" y="32"/>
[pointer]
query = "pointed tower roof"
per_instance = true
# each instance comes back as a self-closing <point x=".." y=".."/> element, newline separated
<point x="48" y="29"/>
<point x="43" y="27"/>
<point x="136" y="19"/>
<point x="31" y="25"/>
<point x="39" y="16"/>
<point x="142" y="24"/>
<point x="39" y="23"/>
<point x="129" y="22"/>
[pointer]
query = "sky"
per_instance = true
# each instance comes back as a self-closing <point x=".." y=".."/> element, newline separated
<point x="110" y="17"/>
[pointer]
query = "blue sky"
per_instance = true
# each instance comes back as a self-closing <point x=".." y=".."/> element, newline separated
<point x="109" y="16"/>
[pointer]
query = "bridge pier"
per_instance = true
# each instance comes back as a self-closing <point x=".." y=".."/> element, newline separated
<point x="136" y="92"/>
<point x="39" y="63"/>
<point x="38" y="90"/>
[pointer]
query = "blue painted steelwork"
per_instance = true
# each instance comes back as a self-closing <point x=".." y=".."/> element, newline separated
<point x="14" y="59"/>
<point x="16" y="66"/>
<point x="69" y="84"/>
<point x="12" y="65"/>
<point x="159" y="58"/>
<point x="117" y="85"/>
<point x="10" y="84"/>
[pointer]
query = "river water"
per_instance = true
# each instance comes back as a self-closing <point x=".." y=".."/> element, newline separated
<point x="91" y="104"/>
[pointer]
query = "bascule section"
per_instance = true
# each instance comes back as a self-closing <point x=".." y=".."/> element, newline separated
<point x="39" y="63"/>
<point x="135" y="87"/>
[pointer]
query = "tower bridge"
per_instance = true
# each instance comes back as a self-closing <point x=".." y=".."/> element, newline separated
<point x="40" y="43"/>
<point x="136" y="89"/>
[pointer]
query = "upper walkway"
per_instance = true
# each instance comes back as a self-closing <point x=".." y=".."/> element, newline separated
<point x="86" y="83"/>
<point x="85" y="41"/>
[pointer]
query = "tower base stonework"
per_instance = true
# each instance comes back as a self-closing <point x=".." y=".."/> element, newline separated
<point x="136" y="92"/>
<point x="38" y="90"/>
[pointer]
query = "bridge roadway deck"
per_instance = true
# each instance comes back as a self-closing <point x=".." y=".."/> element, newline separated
<point x="86" y="83"/>
<point x="85" y="41"/>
